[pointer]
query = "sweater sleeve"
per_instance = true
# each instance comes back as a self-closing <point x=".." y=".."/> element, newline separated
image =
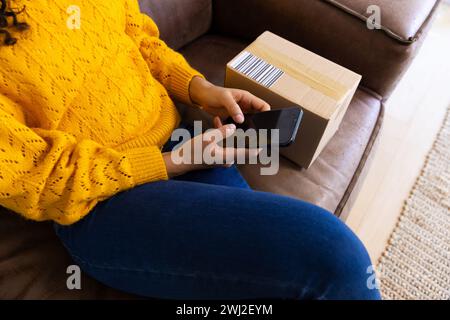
<point x="167" y="66"/>
<point x="50" y="175"/>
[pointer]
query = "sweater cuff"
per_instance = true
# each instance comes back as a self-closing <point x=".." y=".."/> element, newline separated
<point x="181" y="77"/>
<point x="147" y="164"/>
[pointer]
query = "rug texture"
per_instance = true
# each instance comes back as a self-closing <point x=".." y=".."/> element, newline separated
<point x="416" y="262"/>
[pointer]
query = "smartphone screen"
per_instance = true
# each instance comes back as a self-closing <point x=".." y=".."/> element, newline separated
<point x="286" y="121"/>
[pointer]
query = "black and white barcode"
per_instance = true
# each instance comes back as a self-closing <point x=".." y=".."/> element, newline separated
<point x="257" y="69"/>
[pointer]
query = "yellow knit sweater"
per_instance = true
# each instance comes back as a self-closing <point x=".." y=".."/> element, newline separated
<point x="84" y="111"/>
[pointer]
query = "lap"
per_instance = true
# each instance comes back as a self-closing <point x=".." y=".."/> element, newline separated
<point x="179" y="239"/>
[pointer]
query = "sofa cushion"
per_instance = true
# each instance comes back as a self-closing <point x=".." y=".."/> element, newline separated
<point x="326" y="182"/>
<point x="33" y="264"/>
<point x="179" y="21"/>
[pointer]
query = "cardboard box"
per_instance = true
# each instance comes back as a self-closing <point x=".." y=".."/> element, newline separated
<point x="285" y="74"/>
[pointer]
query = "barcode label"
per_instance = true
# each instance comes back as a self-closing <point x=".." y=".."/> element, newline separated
<point x="256" y="69"/>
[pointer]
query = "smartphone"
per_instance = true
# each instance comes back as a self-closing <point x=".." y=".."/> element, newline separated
<point x="286" y="121"/>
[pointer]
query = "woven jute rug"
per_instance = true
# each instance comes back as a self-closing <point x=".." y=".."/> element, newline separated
<point x="416" y="262"/>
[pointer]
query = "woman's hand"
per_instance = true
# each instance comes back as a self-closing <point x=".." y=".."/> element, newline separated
<point x="224" y="102"/>
<point x="206" y="147"/>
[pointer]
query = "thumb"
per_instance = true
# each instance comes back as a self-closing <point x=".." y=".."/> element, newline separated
<point x="227" y="130"/>
<point x="220" y="133"/>
<point x="217" y="122"/>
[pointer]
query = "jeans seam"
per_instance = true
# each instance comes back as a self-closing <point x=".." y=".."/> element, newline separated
<point x="272" y="282"/>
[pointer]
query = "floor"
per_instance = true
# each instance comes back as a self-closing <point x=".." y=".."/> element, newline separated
<point x="413" y="117"/>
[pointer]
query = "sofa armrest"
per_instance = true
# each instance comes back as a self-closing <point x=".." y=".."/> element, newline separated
<point x="337" y="30"/>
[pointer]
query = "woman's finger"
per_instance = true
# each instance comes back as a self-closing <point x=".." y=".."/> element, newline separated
<point x="252" y="103"/>
<point x="220" y="133"/>
<point x="217" y="122"/>
<point x="233" y="155"/>
<point x="233" y="108"/>
<point x="259" y="104"/>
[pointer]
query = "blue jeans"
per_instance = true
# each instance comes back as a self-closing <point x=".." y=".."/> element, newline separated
<point x="207" y="235"/>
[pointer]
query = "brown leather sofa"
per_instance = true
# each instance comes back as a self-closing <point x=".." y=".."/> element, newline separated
<point x="209" y="33"/>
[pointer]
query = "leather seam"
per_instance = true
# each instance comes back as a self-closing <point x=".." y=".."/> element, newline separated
<point x="373" y="138"/>
<point x="386" y="30"/>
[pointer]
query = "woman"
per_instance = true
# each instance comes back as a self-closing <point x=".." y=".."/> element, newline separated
<point x="86" y="114"/>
